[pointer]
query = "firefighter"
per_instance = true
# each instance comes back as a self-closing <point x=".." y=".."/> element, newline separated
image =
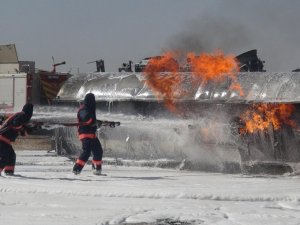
<point x="9" y="131"/>
<point x="87" y="127"/>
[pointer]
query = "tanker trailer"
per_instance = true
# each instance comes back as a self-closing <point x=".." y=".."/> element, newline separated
<point x="212" y="131"/>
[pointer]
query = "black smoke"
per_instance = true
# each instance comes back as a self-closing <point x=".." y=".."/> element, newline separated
<point x="270" y="26"/>
<point x="208" y="34"/>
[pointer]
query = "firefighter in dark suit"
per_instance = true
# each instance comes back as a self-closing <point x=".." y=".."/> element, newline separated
<point x="9" y="131"/>
<point x="87" y="127"/>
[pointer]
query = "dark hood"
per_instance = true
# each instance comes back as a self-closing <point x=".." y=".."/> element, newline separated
<point x="28" y="110"/>
<point x="90" y="103"/>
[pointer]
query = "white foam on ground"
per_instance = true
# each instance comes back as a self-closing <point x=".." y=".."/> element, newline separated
<point x="46" y="192"/>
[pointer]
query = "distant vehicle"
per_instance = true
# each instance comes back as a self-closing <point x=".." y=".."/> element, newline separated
<point x="99" y="65"/>
<point x="15" y="91"/>
<point x="140" y="67"/>
<point x="249" y="62"/>
<point x="126" y="67"/>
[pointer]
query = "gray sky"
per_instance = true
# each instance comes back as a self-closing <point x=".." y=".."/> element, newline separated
<point x="79" y="31"/>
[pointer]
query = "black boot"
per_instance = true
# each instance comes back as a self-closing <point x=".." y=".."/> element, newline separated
<point x="77" y="169"/>
<point x="97" y="169"/>
<point x="97" y="172"/>
<point x="9" y="172"/>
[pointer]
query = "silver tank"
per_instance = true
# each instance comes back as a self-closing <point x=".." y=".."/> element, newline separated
<point x="205" y="134"/>
<point x="257" y="87"/>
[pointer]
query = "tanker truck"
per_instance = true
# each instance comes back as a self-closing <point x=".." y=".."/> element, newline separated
<point x="207" y="136"/>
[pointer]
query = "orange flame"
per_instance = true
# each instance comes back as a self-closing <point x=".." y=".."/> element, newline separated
<point x="168" y="87"/>
<point x="262" y="116"/>
<point x="216" y="67"/>
<point x="164" y="85"/>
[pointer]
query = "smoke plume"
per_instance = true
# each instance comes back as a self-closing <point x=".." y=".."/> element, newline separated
<point x="208" y="34"/>
<point x="270" y="26"/>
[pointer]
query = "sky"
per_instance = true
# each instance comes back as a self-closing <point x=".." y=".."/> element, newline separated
<point x="117" y="31"/>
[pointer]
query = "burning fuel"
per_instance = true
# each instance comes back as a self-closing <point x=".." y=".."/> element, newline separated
<point x="215" y="67"/>
<point x="164" y="86"/>
<point x="262" y="116"/>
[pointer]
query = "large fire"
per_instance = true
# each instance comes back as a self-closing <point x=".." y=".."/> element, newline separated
<point x="262" y="116"/>
<point x="214" y="67"/>
<point x="164" y="86"/>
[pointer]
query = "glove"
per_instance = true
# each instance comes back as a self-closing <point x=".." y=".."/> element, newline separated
<point x="112" y="124"/>
<point x="23" y="131"/>
<point x="32" y="127"/>
<point x="37" y="126"/>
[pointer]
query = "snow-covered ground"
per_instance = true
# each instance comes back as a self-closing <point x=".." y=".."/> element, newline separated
<point x="46" y="192"/>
